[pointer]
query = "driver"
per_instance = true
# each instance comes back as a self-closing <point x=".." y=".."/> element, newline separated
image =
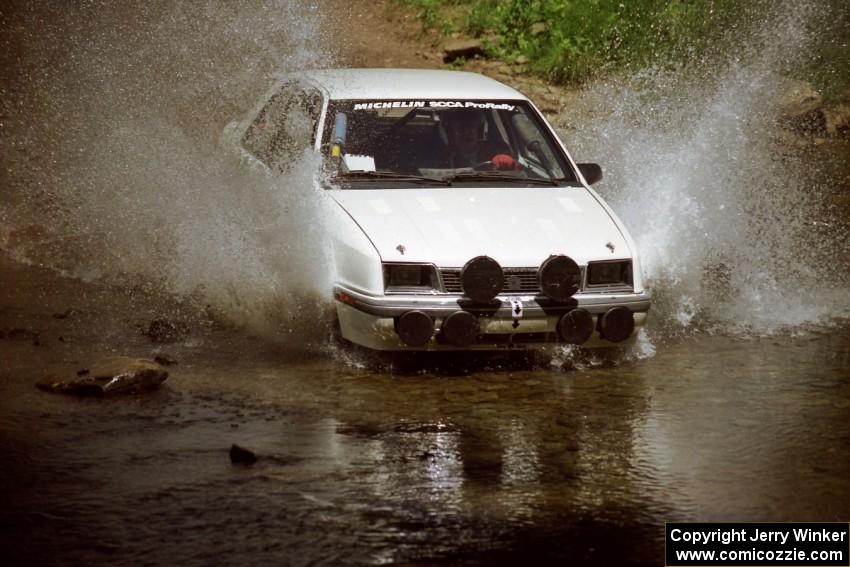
<point x="467" y="146"/>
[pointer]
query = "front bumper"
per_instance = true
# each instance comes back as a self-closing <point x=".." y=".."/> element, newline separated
<point x="510" y="321"/>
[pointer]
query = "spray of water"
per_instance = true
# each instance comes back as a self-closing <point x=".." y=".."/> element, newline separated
<point x="113" y="120"/>
<point x="722" y="210"/>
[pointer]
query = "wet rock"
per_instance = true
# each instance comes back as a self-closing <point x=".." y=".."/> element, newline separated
<point x="799" y="106"/>
<point x="457" y="48"/>
<point x="798" y="98"/>
<point x="165" y="331"/>
<point x="111" y="376"/>
<point x="165" y="360"/>
<point x="241" y="455"/>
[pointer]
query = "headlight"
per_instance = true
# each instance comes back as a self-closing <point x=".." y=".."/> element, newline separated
<point x="410" y="278"/>
<point x="609" y="273"/>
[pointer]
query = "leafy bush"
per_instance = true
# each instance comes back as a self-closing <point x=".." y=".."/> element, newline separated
<point x="573" y="40"/>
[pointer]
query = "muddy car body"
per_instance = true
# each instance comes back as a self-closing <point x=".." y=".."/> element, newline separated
<point x="462" y="222"/>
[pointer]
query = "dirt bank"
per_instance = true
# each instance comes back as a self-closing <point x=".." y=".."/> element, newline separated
<point x="386" y="34"/>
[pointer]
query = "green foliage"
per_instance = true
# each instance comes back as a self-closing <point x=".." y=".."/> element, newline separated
<point x="571" y="41"/>
<point x="830" y="69"/>
<point x="574" y="40"/>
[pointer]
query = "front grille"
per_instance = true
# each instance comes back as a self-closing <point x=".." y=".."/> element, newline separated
<point x="608" y="288"/>
<point x="524" y="281"/>
<point x="517" y="280"/>
<point x="451" y="281"/>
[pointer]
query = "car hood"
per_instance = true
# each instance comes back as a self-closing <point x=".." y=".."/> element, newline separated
<point x="517" y="226"/>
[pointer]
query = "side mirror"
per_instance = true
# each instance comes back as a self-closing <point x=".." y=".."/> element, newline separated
<point x="591" y="172"/>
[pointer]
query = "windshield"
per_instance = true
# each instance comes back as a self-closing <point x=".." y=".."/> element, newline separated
<point x="441" y="142"/>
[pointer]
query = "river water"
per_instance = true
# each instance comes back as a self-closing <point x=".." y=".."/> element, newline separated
<point x="446" y="460"/>
<point x="121" y="209"/>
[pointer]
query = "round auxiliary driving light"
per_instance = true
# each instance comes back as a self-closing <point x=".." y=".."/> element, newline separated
<point x="481" y="279"/>
<point x="559" y="277"/>
<point x="576" y="326"/>
<point x="415" y="328"/>
<point x="617" y="324"/>
<point x="460" y="328"/>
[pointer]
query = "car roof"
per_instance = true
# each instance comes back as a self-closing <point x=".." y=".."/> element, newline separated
<point x="401" y="84"/>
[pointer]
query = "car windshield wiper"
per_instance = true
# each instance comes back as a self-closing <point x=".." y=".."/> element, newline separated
<point x="500" y="176"/>
<point x="391" y="176"/>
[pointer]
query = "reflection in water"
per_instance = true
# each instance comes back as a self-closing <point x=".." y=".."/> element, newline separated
<point x="741" y="408"/>
<point x="444" y="466"/>
<point x="359" y="466"/>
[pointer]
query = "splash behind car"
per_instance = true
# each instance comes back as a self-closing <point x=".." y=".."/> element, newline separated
<point x="465" y="222"/>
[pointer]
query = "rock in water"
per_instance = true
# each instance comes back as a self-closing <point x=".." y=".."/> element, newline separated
<point x="242" y="455"/>
<point x="110" y="376"/>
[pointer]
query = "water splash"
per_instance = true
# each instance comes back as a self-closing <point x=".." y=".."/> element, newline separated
<point x="721" y="208"/>
<point x="119" y="171"/>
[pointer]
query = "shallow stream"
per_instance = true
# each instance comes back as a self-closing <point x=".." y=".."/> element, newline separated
<point x="733" y="406"/>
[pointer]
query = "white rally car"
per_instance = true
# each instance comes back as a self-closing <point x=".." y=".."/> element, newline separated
<point x="464" y="222"/>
